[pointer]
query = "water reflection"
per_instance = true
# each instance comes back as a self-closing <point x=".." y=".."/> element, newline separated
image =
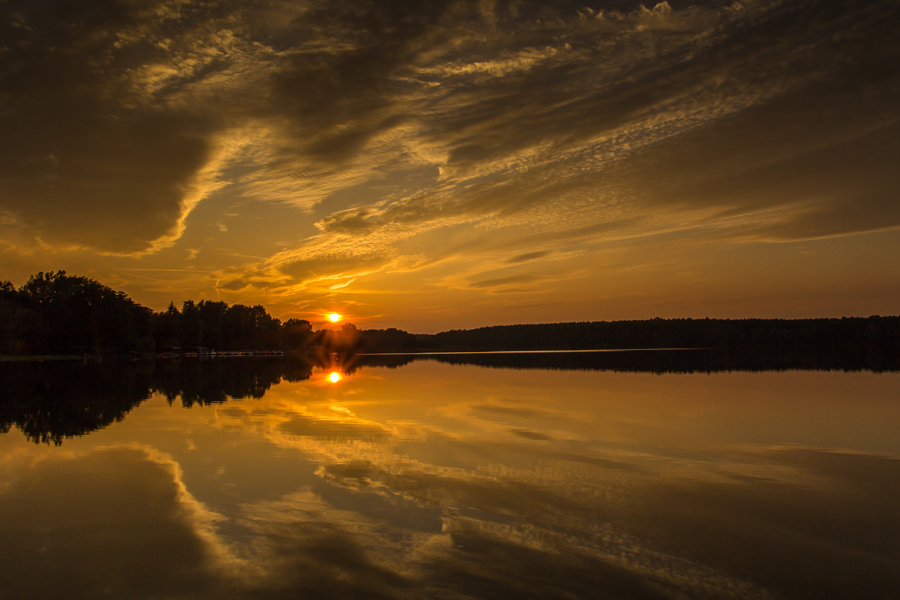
<point x="659" y="360"/>
<point x="51" y="402"/>
<point x="113" y="521"/>
<point x="446" y="480"/>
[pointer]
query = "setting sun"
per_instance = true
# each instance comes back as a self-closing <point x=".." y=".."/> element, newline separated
<point x="334" y="377"/>
<point x="334" y="317"/>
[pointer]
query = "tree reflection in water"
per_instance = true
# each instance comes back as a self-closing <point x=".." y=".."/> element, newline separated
<point x="51" y="401"/>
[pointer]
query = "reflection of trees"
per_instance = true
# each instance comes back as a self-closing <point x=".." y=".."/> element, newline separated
<point x="296" y="369"/>
<point x="213" y="381"/>
<point x="750" y="358"/>
<point x="52" y="401"/>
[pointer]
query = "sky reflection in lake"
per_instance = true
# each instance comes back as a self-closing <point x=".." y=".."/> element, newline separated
<point x="437" y="480"/>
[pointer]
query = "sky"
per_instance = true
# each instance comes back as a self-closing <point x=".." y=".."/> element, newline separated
<point x="452" y="164"/>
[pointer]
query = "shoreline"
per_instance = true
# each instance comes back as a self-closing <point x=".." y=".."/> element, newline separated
<point x="46" y="357"/>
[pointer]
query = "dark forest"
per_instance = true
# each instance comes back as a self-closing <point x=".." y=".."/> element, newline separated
<point x="59" y="314"/>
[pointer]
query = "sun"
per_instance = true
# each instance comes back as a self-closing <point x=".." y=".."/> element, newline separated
<point x="334" y="377"/>
<point x="334" y="317"/>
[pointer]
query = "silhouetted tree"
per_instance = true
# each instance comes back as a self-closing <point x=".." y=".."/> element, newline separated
<point x="389" y="340"/>
<point x="168" y="328"/>
<point x="191" y="326"/>
<point x="77" y="314"/>
<point x="296" y="333"/>
<point x="212" y="316"/>
<point x="19" y="327"/>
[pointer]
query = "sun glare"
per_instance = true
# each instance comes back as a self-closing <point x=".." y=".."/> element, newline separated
<point x="334" y="317"/>
<point x="334" y="377"/>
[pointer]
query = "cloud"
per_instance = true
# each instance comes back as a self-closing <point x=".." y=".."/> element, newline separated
<point x="385" y="124"/>
<point x="503" y="282"/>
<point x="87" y="161"/>
<point x="577" y="122"/>
<point x="528" y="256"/>
<point x="530" y="435"/>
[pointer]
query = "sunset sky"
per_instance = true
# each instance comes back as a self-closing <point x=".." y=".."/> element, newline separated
<point x="458" y="163"/>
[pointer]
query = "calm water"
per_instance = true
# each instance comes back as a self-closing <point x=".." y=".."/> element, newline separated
<point x="437" y="480"/>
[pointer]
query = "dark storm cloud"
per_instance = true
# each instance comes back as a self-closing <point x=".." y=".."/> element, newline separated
<point x="356" y="65"/>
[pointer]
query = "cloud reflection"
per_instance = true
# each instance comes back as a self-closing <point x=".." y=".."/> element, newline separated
<point x="540" y="484"/>
<point x="112" y="520"/>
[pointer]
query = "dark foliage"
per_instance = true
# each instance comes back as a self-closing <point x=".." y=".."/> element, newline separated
<point x="59" y="314"/>
<point x="217" y="326"/>
<point x="55" y="313"/>
<point x="389" y="340"/>
<point x="755" y="344"/>
<point x="671" y="333"/>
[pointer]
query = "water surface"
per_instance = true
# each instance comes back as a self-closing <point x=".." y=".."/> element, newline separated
<point x="437" y="480"/>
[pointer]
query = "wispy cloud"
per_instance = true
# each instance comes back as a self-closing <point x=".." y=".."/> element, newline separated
<point x="386" y="124"/>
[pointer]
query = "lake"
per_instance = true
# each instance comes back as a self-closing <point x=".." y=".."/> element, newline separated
<point x="436" y="477"/>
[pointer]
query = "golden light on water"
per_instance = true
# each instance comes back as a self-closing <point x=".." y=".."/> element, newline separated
<point x="334" y="317"/>
<point x="334" y="377"/>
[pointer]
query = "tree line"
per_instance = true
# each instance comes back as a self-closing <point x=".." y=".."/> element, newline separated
<point x="56" y="313"/>
<point x="856" y="333"/>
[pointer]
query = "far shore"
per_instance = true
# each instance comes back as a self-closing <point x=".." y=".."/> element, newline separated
<point x="44" y="357"/>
